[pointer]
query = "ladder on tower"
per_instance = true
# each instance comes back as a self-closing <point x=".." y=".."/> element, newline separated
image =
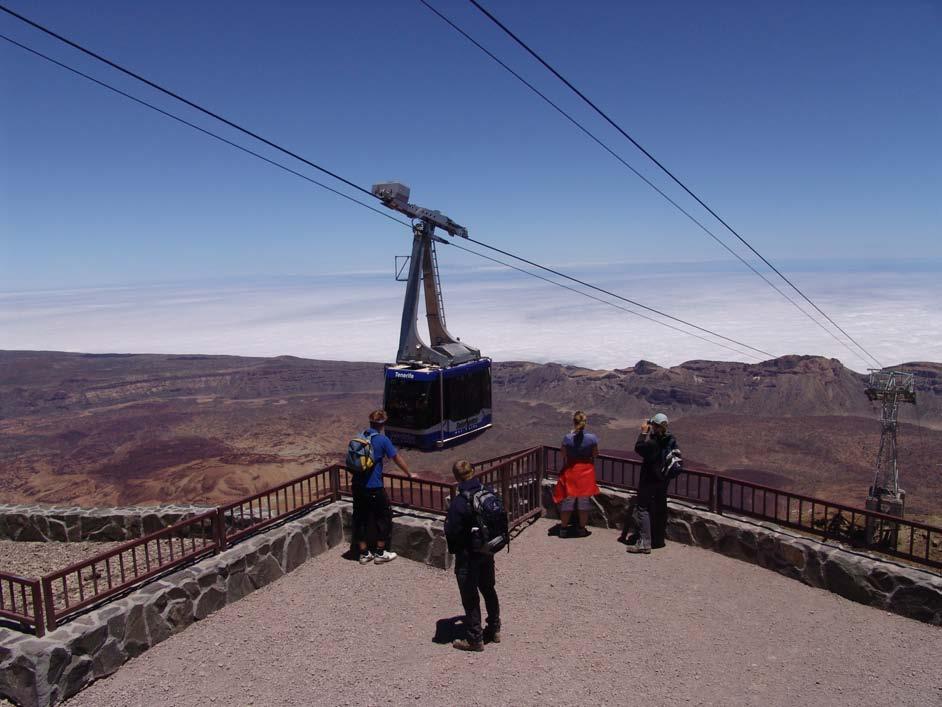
<point x="438" y="285"/>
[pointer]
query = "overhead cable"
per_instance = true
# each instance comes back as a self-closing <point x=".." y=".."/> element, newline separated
<point x="180" y="98"/>
<point x="481" y="243"/>
<point x="638" y="174"/>
<point x="599" y="299"/>
<point x="201" y="129"/>
<point x="670" y="174"/>
<point x="613" y="294"/>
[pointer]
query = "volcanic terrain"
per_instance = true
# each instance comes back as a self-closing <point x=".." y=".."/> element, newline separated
<point x="105" y="429"/>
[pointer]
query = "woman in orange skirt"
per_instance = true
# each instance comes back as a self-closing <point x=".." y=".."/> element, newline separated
<point x="576" y="484"/>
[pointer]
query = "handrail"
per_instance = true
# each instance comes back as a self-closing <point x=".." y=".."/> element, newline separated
<point x="42" y="603"/>
<point x="433" y="495"/>
<point x="17" y="605"/>
<point x="129" y="564"/>
<point x="864" y="528"/>
<point x="241" y="518"/>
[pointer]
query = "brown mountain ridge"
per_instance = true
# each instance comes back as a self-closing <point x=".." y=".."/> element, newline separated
<point x="98" y="429"/>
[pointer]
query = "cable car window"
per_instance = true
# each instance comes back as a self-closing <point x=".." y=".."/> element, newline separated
<point x="412" y="404"/>
<point x="467" y="395"/>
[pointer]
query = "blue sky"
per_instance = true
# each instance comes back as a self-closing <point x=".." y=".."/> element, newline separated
<point x="814" y="128"/>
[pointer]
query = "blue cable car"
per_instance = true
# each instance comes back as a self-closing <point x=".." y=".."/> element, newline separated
<point x="440" y="394"/>
<point x="431" y="407"/>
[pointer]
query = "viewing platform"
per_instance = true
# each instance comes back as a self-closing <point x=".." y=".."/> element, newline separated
<point x="225" y="602"/>
<point x="584" y="623"/>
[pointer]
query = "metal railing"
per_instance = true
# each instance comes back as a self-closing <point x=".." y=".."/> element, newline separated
<point x="90" y="581"/>
<point x="20" y="601"/>
<point x="518" y="478"/>
<point x="43" y="603"/>
<point x="46" y="602"/>
<point x="253" y="513"/>
<point x="857" y="527"/>
<point x="421" y="494"/>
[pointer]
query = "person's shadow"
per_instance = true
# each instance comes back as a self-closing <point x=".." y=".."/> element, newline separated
<point x="449" y="630"/>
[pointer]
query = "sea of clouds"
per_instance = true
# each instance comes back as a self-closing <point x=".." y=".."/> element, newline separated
<point x="509" y="316"/>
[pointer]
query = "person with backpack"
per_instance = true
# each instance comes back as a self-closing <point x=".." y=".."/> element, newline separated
<point x="371" y="508"/>
<point x="660" y="462"/>
<point x="476" y="526"/>
<point x="576" y="484"/>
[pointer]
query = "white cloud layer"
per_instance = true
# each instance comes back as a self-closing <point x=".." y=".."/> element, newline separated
<point x="507" y="315"/>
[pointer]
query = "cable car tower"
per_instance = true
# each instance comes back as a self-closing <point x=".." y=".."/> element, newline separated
<point x="891" y="388"/>
<point x="436" y="393"/>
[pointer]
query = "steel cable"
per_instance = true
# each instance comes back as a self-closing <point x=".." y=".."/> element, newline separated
<point x="638" y="174"/>
<point x="670" y="174"/>
<point x="360" y="203"/>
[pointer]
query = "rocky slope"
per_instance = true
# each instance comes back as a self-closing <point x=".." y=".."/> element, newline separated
<point x="106" y="429"/>
<point x="787" y="386"/>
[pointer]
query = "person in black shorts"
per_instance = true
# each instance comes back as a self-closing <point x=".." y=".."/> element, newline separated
<point x="371" y="508"/>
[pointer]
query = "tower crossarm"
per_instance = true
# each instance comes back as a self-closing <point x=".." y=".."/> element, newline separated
<point x="895" y="385"/>
<point x="396" y="196"/>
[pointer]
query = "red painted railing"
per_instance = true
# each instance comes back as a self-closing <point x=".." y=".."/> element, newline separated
<point x="518" y="478"/>
<point x="857" y="527"/>
<point x="861" y="528"/>
<point x="90" y="581"/>
<point x="253" y="513"/>
<point x="20" y="601"/>
<point x="421" y="494"/>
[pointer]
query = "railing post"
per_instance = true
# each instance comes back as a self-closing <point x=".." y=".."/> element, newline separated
<point x="48" y="603"/>
<point x="718" y="495"/>
<point x="219" y="529"/>
<point x="38" y="615"/>
<point x="335" y="481"/>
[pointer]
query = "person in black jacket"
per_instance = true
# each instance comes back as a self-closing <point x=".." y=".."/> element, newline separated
<point x="654" y="445"/>
<point x="473" y="570"/>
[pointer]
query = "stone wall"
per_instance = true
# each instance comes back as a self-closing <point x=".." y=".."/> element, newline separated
<point x="44" y="671"/>
<point x="43" y="523"/>
<point x="415" y="535"/>
<point x="858" y="576"/>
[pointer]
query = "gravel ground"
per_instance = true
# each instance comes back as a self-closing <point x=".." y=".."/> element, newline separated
<point x="583" y="623"/>
<point x="36" y="559"/>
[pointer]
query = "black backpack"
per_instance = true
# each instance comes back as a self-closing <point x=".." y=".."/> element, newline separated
<point x="672" y="465"/>
<point x="489" y="531"/>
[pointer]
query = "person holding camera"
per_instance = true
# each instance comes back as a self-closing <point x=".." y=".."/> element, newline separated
<point x="660" y="461"/>
<point x="474" y="570"/>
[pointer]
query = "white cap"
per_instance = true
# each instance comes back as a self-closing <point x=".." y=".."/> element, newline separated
<point x="659" y="419"/>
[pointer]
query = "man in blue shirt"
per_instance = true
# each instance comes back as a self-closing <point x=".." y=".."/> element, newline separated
<point x="371" y="508"/>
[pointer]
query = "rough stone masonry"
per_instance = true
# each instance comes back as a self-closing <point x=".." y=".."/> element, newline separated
<point x="44" y="671"/>
<point x="860" y="577"/>
<point x="42" y="523"/>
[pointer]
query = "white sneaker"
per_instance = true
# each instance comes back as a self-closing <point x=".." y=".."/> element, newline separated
<point x="385" y="556"/>
<point x="366" y="558"/>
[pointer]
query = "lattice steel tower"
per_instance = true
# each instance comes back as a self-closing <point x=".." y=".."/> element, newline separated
<point x="891" y="388"/>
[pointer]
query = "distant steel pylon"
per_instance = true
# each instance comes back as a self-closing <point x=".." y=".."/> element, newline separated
<point x="891" y="388"/>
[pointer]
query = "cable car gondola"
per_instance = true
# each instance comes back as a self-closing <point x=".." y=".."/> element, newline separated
<point x="434" y="395"/>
